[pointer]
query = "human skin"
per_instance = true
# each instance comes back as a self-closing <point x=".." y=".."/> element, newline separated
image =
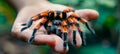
<point x="32" y="8"/>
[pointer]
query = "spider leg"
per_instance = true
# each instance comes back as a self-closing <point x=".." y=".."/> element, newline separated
<point x="34" y="18"/>
<point x="74" y="34"/>
<point x="76" y="19"/>
<point x="73" y="27"/>
<point x="80" y="31"/>
<point x="24" y="24"/>
<point x="88" y="26"/>
<point x="43" y="20"/>
<point x="59" y="32"/>
<point x="49" y="27"/>
<point x="64" y="34"/>
<point x="33" y="36"/>
<point x="56" y="27"/>
<point x="68" y="10"/>
<point x="65" y="44"/>
<point x="81" y="34"/>
<point x="90" y="29"/>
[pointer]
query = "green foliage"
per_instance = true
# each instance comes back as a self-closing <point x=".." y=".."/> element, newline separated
<point x="7" y="12"/>
<point x="107" y="3"/>
<point x="110" y="22"/>
<point x="98" y="49"/>
<point x="7" y="16"/>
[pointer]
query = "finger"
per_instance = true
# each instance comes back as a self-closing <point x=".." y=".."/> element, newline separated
<point x="89" y="14"/>
<point x="59" y="44"/>
<point x="78" y="39"/>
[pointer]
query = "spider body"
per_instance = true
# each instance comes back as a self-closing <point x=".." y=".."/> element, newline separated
<point x="59" y="23"/>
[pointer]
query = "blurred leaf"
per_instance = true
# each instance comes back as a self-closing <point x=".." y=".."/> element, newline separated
<point x="41" y="50"/>
<point x="7" y="11"/>
<point x="88" y="4"/>
<point x="98" y="49"/>
<point x="7" y="16"/>
<point x="59" y="1"/>
<point x="107" y="3"/>
<point x="2" y="19"/>
<point x="110" y="21"/>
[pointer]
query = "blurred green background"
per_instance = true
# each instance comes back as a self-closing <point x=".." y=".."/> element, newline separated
<point x="106" y="27"/>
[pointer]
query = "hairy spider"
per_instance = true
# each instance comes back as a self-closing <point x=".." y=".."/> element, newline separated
<point x="58" y="22"/>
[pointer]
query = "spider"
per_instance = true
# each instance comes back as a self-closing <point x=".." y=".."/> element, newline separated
<point x="58" y="22"/>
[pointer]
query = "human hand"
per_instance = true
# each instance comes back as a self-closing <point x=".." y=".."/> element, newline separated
<point x="41" y="37"/>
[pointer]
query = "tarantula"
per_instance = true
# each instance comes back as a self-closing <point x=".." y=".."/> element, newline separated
<point x="58" y="22"/>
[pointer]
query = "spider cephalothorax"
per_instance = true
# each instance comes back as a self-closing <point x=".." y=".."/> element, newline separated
<point x="58" y="22"/>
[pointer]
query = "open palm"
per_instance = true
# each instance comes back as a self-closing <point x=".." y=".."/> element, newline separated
<point x="41" y="37"/>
